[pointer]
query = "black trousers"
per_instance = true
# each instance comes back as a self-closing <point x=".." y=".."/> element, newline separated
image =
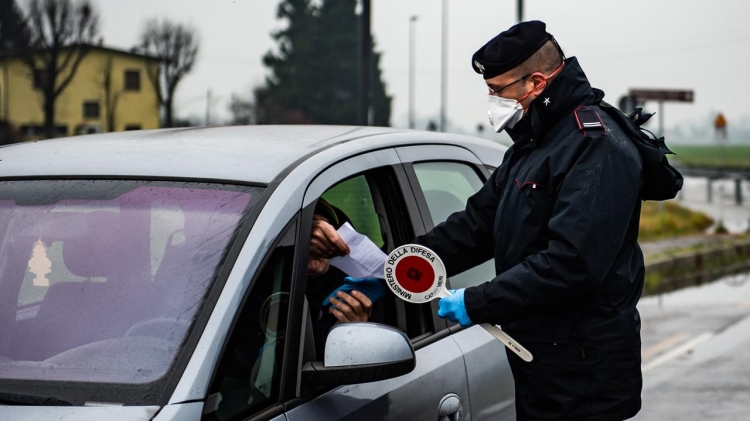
<point x="575" y="381"/>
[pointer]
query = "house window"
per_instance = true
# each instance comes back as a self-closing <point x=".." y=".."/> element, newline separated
<point x="40" y="78"/>
<point x="130" y="127"/>
<point x="132" y="80"/>
<point x="37" y="130"/>
<point x="91" y="109"/>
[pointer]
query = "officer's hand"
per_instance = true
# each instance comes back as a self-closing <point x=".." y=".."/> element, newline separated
<point x="351" y="308"/>
<point x="325" y="241"/>
<point x="453" y="308"/>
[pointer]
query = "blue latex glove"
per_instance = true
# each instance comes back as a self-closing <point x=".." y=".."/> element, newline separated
<point x="373" y="288"/>
<point x="453" y="308"/>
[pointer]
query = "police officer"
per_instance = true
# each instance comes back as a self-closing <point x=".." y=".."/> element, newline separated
<point x="560" y="217"/>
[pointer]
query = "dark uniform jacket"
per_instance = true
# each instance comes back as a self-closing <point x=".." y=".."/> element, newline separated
<point x="560" y="217"/>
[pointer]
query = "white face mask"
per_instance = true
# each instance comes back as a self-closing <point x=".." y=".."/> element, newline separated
<point x="504" y="112"/>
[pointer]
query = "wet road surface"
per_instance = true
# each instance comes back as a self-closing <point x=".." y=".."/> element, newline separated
<point x="696" y="353"/>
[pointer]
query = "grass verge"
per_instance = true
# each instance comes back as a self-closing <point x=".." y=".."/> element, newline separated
<point x="674" y="220"/>
<point x="726" y="156"/>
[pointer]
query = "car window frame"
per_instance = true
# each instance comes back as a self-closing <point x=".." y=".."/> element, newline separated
<point x="395" y="225"/>
<point x="375" y="168"/>
<point x="291" y="229"/>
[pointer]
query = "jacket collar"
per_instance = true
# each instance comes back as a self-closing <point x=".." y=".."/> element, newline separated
<point x="568" y="90"/>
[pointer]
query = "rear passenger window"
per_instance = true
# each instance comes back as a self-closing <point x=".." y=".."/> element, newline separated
<point x="446" y="187"/>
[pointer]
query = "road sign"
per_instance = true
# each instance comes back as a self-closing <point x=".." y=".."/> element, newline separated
<point x="417" y="275"/>
<point x="662" y="95"/>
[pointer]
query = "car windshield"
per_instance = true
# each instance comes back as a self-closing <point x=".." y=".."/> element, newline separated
<point x="102" y="279"/>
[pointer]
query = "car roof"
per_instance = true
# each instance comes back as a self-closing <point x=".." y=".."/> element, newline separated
<point x="254" y="154"/>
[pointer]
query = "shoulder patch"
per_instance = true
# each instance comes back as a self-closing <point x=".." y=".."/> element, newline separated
<point x="588" y="119"/>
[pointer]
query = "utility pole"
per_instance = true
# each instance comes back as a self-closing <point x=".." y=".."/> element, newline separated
<point x="208" y="107"/>
<point x="412" y="24"/>
<point x="444" y="68"/>
<point x="365" y="45"/>
<point x="519" y="10"/>
<point x="661" y="118"/>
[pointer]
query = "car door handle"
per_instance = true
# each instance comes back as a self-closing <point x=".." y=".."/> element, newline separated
<point x="450" y="408"/>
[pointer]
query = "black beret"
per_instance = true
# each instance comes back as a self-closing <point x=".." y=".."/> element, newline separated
<point x="510" y="48"/>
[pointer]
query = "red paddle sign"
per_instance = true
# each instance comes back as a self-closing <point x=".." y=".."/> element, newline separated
<point x="415" y="274"/>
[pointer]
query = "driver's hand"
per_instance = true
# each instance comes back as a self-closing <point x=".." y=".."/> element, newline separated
<point x="325" y="241"/>
<point x="351" y="308"/>
<point x="316" y="266"/>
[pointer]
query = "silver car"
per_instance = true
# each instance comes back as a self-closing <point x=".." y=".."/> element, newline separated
<point x="162" y="275"/>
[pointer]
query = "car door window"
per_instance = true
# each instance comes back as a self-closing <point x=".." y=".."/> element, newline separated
<point x="440" y="363"/>
<point x="374" y="203"/>
<point x="249" y="373"/>
<point x="446" y="187"/>
<point x="354" y="198"/>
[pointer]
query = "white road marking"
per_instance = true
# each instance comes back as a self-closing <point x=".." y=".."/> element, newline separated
<point x="664" y="345"/>
<point x="679" y="351"/>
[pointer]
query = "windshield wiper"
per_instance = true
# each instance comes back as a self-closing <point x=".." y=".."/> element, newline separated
<point x="8" y="398"/>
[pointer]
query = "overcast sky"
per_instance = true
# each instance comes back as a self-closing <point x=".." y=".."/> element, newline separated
<point x="699" y="44"/>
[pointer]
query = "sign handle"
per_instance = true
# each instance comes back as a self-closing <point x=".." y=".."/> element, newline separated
<point x="501" y="336"/>
<point x="509" y="342"/>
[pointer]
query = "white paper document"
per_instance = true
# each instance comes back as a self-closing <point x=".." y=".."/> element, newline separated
<point x="365" y="259"/>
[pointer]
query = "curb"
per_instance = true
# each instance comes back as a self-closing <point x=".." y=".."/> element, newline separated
<point x="672" y="273"/>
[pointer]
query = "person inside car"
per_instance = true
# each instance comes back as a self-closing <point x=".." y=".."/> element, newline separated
<point x="332" y="296"/>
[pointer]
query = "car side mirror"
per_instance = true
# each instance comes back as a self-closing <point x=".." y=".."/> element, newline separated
<point x="361" y="353"/>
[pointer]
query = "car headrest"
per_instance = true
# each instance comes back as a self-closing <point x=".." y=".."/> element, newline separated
<point x="116" y="244"/>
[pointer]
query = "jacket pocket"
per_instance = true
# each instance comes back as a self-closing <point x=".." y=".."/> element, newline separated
<point x="540" y="199"/>
<point x="542" y="328"/>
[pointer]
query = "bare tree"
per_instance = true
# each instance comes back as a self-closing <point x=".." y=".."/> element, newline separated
<point x="242" y="109"/>
<point x="111" y="94"/>
<point x="176" y="45"/>
<point x="61" y="33"/>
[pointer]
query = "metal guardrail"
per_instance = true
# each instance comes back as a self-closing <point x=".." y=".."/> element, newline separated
<point x="715" y="173"/>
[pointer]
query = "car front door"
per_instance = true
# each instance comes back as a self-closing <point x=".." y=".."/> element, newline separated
<point x="438" y="383"/>
<point x="443" y="178"/>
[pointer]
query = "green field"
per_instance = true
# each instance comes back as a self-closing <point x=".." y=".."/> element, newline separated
<point x="725" y="156"/>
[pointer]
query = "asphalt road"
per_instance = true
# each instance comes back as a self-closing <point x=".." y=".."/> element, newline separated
<point x="696" y="353"/>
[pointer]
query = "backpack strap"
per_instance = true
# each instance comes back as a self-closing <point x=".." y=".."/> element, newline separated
<point x="588" y="119"/>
